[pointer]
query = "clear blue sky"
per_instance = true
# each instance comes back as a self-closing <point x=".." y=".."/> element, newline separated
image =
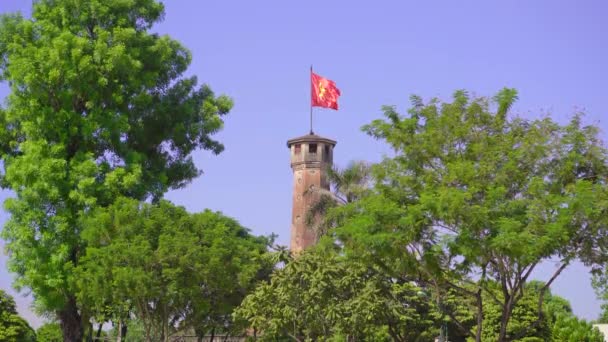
<point x="554" y="52"/>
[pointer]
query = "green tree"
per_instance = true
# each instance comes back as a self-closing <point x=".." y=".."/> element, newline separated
<point x="603" y="316"/>
<point x="346" y="186"/>
<point x="136" y="333"/>
<point x="599" y="281"/>
<point x="571" y="329"/>
<point x="168" y="268"/>
<point x="13" y="328"/>
<point x="49" y="332"/>
<point x="460" y="312"/>
<point x="98" y="109"/>
<point x="524" y="315"/>
<point x="558" y="323"/>
<point x="471" y="191"/>
<point x="324" y="296"/>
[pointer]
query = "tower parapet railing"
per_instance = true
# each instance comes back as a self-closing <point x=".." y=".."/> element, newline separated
<point x="308" y="157"/>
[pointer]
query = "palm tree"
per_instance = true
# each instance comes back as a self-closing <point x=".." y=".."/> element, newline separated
<point x="346" y="186"/>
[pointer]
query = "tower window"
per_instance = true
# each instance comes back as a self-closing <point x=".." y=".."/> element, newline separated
<point x="297" y="149"/>
<point x="326" y="154"/>
<point x="312" y="148"/>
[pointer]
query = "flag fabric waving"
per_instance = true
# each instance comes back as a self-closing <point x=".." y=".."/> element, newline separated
<point x="324" y="92"/>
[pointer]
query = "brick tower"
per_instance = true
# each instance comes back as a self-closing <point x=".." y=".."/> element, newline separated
<point x="311" y="155"/>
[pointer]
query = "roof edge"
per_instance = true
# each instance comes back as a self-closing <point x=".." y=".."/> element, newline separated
<point x="310" y="138"/>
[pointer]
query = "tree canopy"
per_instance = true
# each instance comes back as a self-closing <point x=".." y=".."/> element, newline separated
<point x="13" y="328"/>
<point x="324" y="294"/>
<point x="98" y="108"/>
<point x="49" y="332"/>
<point x="169" y="269"/>
<point x="474" y="196"/>
<point x="572" y="329"/>
<point x="321" y="295"/>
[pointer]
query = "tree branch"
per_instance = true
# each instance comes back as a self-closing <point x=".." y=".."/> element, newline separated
<point x="540" y="301"/>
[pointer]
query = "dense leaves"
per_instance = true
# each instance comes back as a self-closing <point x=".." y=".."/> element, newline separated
<point x="474" y="197"/>
<point x="557" y="323"/>
<point x="525" y="314"/>
<point x="571" y="329"/>
<point x="98" y="109"/>
<point x="323" y="296"/>
<point x="49" y="332"/>
<point x="167" y="268"/>
<point x="13" y="328"/>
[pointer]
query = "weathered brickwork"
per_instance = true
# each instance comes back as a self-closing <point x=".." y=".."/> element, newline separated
<point x="311" y="156"/>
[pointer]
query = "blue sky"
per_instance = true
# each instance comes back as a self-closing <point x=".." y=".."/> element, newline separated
<point x="259" y="53"/>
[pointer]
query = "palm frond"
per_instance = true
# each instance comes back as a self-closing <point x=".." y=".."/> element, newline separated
<point x="347" y="185"/>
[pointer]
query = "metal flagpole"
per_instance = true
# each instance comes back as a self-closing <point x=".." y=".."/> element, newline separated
<point x="311" y="132"/>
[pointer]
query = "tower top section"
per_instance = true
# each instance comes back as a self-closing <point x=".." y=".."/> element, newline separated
<point x="311" y="151"/>
<point x="311" y="138"/>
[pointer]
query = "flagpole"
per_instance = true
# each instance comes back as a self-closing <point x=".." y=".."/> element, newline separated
<point x="311" y="132"/>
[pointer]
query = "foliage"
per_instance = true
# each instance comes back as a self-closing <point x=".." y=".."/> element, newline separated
<point x="471" y="191"/>
<point x="98" y="109"/>
<point x="49" y="332"/>
<point x="603" y="316"/>
<point x="324" y="296"/>
<point x="462" y="313"/>
<point x="599" y="281"/>
<point x="347" y="185"/>
<point x="167" y="267"/>
<point x="350" y="183"/>
<point x="571" y="329"/>
<point x="524" y="315"/>
<point x="13" y="328"/>
<point x="135" y="332"/>
<point x="458" y="314"/>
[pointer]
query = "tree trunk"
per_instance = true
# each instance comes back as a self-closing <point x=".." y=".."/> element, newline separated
<point x="119" y="337"/>
<point x="99" y="331"/>
<point x="479" y="300"/>
<point x="166" y="333"/>
<point x="479" y="316"/>
<point x="504" y="320"/>
<point x="200" y="333"/>
<point x="123" y="331"/>
<point x="89" y="332"/>
<point x="70" y="322"/>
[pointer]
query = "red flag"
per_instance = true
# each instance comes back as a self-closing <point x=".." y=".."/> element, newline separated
<point x="324" y="92"/>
